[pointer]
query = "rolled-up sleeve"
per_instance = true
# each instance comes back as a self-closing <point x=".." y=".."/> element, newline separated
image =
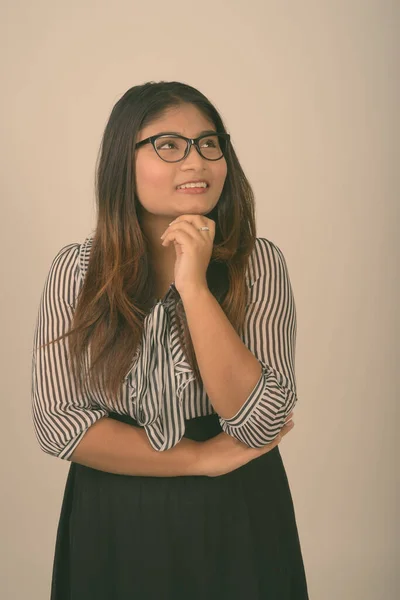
<point x="61" y="415"/>
<point x="269" y="332"/>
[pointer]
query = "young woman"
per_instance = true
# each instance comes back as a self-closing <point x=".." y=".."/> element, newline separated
<point x="163" y="369"/>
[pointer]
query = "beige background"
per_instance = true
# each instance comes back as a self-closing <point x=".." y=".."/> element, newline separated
<point x="310" y="93"/>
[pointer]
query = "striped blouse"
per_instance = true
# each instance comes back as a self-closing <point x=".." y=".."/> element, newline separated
<point x="160" y="391"/>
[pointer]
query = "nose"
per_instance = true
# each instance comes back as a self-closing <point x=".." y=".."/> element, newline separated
<point x="193" y="152"/>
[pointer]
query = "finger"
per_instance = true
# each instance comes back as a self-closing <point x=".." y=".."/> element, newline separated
<point x="284" y="431"/>
<point x="287" y="427"/>
<point x="191" y="227"/>
<point x="278" y="439"/>
<point x="184" y="225"/>
<point x="289" y="416"/>
<point x="195" y="220"/>
<point x="181" y="237"/>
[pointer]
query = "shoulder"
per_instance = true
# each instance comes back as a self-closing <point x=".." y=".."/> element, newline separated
<point x="265" y="259"/>
<point x="74" y="254"/>
<point x="68" y="268"/>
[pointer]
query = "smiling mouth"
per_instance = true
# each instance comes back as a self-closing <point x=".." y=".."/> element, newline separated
<point x="192" y="185"/>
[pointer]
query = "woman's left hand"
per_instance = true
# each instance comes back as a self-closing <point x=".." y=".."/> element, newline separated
<point x="193" y="251"/>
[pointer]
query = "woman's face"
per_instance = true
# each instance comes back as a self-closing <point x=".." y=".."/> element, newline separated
<point x="157" y="180"/>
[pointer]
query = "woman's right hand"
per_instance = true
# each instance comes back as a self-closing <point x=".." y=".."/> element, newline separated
<point x="223" y="453"/>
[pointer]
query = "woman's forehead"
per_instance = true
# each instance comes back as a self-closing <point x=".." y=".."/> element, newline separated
<point x="183" y="120"/>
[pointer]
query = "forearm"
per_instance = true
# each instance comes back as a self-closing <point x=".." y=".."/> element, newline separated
<point x="115" y="447"/>
<point x="228" y="369"/>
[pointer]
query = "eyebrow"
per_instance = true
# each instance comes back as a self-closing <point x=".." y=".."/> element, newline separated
<point x="204" y="132"/>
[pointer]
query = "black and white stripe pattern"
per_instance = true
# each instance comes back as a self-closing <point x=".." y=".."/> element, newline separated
<point x="160" y="391"/>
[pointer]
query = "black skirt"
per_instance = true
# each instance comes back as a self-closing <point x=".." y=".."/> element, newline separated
<point x="123" y="537"/>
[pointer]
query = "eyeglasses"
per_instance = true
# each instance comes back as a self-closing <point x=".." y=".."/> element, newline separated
<point x="172" y="147"/>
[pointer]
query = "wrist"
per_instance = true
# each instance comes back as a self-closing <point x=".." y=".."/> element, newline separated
<point x="194" y="293"/>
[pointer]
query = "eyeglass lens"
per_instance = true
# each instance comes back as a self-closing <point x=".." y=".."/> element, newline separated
<point x="171" y="148"/>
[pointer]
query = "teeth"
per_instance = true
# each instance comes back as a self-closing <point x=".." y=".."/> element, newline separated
<point x="192" y="185"/>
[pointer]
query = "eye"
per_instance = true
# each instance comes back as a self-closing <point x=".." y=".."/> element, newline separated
<point x="161" y="147"/>
<point x="211" y="143"/>
<point x="169" y="143"/>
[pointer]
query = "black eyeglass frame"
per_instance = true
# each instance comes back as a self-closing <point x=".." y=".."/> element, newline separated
<point x="189" y="141"/>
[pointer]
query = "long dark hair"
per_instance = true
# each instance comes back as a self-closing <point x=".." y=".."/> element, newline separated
<point x="115" y="297"/>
